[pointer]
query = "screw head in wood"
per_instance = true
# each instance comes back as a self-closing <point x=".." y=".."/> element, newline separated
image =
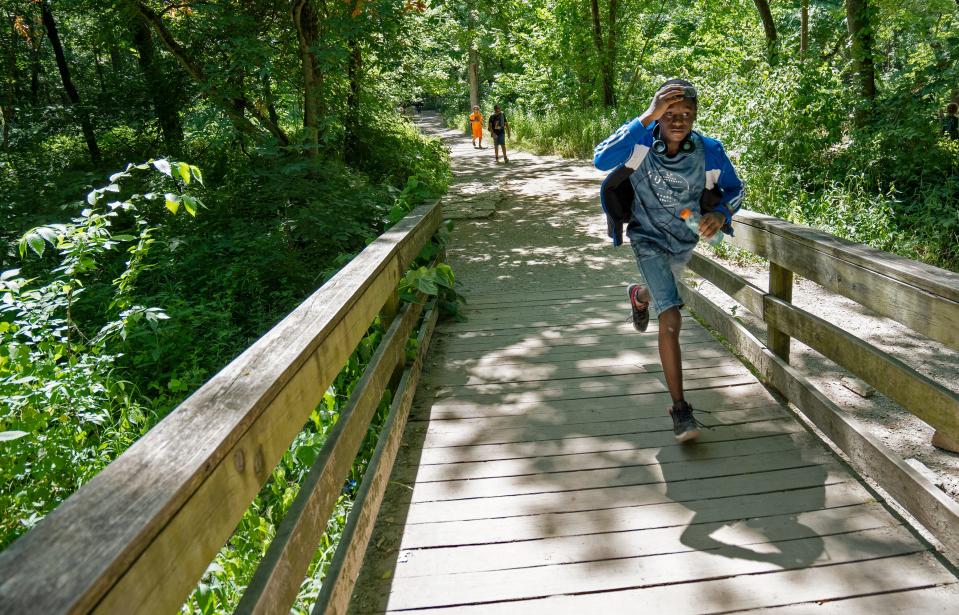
<point x="258" y="462"/>
<point x="239" y="460"/>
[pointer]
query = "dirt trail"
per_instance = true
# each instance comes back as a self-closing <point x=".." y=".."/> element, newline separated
<point x="548" y="232"/>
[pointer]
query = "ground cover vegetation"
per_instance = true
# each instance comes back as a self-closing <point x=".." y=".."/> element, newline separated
<point x="832" y="109"/>
<point x="175" y="178"/>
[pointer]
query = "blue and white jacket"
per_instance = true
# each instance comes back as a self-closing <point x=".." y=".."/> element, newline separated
<point x="625" y="150"/>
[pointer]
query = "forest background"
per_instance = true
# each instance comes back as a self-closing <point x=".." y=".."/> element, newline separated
<point x="176" y="177"/>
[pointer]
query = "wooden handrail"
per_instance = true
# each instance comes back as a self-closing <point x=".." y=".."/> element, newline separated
<point x="917" y="393"/>
<point x="139" y="536"/>
<point x="920" y="296"/>
<point x="900" y="289"/>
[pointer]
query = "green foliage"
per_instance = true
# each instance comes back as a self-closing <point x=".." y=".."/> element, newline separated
<point x="434" y="280"/>
<point x="65" y="414"/>
<point x="787" y="119"/>
<point x="277" y="219"/>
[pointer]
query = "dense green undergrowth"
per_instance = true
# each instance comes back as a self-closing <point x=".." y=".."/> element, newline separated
<point x="96" y="352"/>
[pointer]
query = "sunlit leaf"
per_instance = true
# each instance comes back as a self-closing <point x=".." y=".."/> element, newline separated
<point x="172" y="202"/>
<point x="35" y="242"/>
<point x="163" y="166"/>
<point x="184" y="170"/>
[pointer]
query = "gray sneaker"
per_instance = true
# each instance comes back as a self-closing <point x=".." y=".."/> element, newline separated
<point x="685" y="425"/>
<point x="639" y="304"/>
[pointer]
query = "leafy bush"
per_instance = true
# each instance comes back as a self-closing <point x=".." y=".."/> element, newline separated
<point x="64" y="413"/>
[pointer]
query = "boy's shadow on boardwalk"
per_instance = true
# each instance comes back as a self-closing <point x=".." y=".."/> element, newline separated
<point x="796" y="545"/>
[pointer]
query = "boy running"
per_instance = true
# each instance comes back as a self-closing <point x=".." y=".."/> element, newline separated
<point x="476" y="124"/>
<point x="499" y="127"/>
<point x="660" y="166"/>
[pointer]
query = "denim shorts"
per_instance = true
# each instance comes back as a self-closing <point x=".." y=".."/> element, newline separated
<point x="661" y="272"/>
<point x="499" y="138"/>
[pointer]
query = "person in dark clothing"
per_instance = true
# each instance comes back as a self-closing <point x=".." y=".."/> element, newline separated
<point x="499" y="128"/>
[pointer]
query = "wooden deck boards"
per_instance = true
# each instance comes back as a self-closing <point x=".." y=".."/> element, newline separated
<point x="539" y="474"/>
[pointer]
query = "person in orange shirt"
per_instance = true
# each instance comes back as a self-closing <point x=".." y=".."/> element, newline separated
<point x="476" y="123"/>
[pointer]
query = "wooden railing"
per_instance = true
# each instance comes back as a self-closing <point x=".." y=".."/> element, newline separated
<point x="922" y="297"/>
<point x="139" y="536"/>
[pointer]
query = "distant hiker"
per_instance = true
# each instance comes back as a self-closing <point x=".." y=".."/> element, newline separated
<point x="660" y="166"/>
<point x="499" y="127"/>
<point x="476" y="124"/>
<point x="950" y="123"/>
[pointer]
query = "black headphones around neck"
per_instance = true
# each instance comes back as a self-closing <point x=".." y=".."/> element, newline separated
<point x="659" y="146"/>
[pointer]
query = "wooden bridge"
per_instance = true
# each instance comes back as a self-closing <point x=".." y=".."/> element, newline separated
<point x="532" y="468"/>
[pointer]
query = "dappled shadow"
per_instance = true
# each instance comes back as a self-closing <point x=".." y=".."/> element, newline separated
<point x="797" y="545"/>
<point x="539" y="458"/>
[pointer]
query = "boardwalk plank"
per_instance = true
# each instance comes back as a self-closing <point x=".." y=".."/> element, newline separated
<point x="807" y="496"/>
<point x="585" y="333"/>
<point x="449" y="433"/>
<point x="544" y="414"/>
<point x="613" y="477"/>
<point x="580" y="389"/>
<point x="940" y="600"/>
<point x="818" y="583"/>
<point x="575" y="355"/>
<point x="758" y="528"/>
<point x="705" y="397"/>
<point x="527" y="346"/>
<point x="484" y="515"/>
<point x="683" y="567"/>
<point x="501" y="374"/>
<point x="608" y="438"/>
<point x="549" y="296"/>
<point x="592" y="460"/>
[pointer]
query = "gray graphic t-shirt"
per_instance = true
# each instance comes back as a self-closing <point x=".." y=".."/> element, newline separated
<point x="665" y="186"/>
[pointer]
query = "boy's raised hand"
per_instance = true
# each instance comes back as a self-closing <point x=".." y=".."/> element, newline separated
<point x="662" y="100"/>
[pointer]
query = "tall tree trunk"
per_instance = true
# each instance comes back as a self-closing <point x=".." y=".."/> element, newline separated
<point x="163" y="104"/>
<point x="13" y="59"/>
<point x="472" y="66"/>
<point x="354" y="71"/>
<point x="769" y="26"/>
<point x="98" y="68"/>
<point x="604" y="72"/>
<point x="225" y="103"/>
<point x="7" y="119"/>
<point x="35" y="70"/>
<point x="237" y="84"/>
<point x="10" y="83"/>
<point x="307" y="33"/>
<point x="474" y="74"/>
<point x="609" y="77"/>
<point x="268" y="97"/>
<point x="116" y="60"/>
<point x="804" y="28"/>
<point x="859" y="23"/>
<point x="71" y="91"/>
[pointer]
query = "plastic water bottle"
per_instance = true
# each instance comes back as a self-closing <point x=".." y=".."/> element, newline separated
<point x="692" y="219"/>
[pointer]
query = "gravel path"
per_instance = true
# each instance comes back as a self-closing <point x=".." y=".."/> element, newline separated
<point x="548" y="231"/>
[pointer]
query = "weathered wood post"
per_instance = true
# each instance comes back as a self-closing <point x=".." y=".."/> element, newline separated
<point x="781" y="287"/>
<point x="390" y="309"/>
